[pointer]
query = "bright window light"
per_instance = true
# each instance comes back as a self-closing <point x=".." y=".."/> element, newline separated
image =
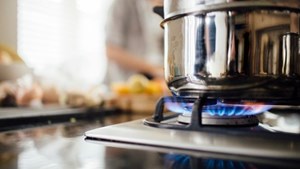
<point x="64" y="40"/>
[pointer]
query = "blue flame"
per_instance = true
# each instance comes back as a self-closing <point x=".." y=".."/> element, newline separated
<point x="221" y="109"/>
<point x="179" y="107"/>
<point x="223" y="164"/>
<point x="177" y="161"/>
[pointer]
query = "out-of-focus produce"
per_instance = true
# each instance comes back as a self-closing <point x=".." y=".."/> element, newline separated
<point x="34" y="94"/>
<point x="31" y="96"/>
<point x="139" y="84"/>
<point x="7" y="95"/>
<point x="19" y="87"/>
<point x="51" y="94"/>
<point x="138" y="94"/>
<point x="90" y="98"/>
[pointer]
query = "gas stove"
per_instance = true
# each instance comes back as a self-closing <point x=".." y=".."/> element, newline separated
<point x="209" y="125"/>
<point x="233" y="68"/>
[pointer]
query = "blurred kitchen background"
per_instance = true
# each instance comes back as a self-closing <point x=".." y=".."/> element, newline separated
<point x="53" y="52"/>
<point x="52" y="69"/>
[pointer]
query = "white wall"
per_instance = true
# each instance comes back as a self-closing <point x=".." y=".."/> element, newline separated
<point x="8" y="23"/>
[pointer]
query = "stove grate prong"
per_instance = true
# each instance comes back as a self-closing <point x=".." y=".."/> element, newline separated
<point x="196" y="120"/>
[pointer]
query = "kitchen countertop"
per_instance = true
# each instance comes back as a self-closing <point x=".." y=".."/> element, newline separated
<point x="63" y="146"/>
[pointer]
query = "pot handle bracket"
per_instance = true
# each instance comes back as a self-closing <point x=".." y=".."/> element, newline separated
<point x="159" y="10"/>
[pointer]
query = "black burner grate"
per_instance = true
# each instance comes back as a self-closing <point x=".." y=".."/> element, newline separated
<point x="160" y="118"/>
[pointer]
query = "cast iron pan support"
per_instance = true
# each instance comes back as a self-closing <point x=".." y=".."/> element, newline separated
<point x="196" y="119"/>
<point x="160" y="106"/>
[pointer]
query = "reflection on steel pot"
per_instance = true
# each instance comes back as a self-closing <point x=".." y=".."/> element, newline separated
<point x="233" y="49"/>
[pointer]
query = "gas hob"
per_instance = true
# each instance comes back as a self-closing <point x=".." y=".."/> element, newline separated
<point x="242" y="133"/>
<point x="258" y="141"/>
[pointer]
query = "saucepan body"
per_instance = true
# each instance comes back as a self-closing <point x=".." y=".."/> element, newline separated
<point x="237" y="49"/>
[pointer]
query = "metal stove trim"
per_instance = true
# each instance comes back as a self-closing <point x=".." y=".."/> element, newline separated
<point x="136" y="133"/>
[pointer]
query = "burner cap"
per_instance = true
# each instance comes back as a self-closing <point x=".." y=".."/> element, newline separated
<point x="207" y="119"/>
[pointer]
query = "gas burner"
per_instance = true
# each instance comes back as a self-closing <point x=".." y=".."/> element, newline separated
<point x="207" y="119"/>
<point x="224" y="114"/>
<point x="196" y="113"/>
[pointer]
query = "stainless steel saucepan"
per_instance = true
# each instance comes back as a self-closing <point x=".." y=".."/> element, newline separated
<point x="233" y="49"/>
